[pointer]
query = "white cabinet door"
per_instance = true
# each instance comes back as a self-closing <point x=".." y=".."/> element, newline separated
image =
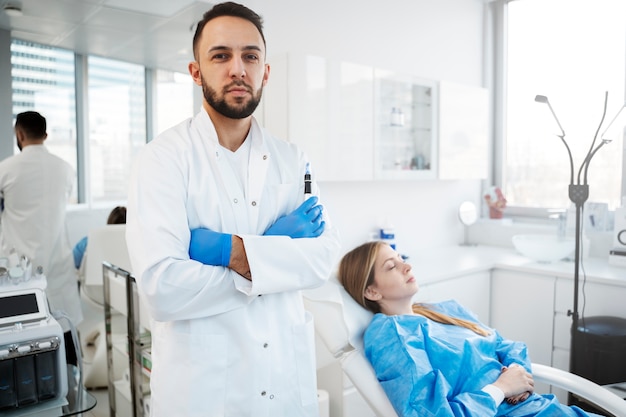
<point x="522" y="308"/>
<point x="594" y="299"/>
<point x="325" y="107"/>
<point x="472" y="291"/>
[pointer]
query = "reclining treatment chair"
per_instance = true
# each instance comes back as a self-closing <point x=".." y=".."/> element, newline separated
<point x="340" y="323"/>
<point x="106" y="243"/>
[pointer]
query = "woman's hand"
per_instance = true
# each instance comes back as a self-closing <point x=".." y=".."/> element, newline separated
<point x="516" y="383"/>
<point x="518" y="398"/>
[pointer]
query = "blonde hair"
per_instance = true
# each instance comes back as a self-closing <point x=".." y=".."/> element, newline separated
<point x="356" y="273"/>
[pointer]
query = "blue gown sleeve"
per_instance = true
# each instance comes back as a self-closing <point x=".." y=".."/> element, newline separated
<point x="405" y="372"/>
<point x="508" y="351"/>
<point x="79" y="251"/>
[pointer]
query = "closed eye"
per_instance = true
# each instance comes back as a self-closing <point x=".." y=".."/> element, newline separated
<point x="390" y="264"/>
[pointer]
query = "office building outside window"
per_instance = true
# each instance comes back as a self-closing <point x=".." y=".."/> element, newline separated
<point x="174" y="99"/>
<point x="43" y="81"/>
<point x="571" y="51"/>
<point x="117" y="125"/>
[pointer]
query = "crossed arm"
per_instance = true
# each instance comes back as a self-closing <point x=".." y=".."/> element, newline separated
<point x="224" y="249"/>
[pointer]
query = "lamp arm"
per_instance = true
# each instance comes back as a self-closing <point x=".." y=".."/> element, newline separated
<point x="571" y="160"/>
<point x="555" y="118"/>
<point x="613" y="121"/>
<point x="591" y="152"/>
<point x="588" y="160"/>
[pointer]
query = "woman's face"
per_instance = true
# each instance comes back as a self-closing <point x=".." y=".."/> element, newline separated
<point x="393" y="279"/>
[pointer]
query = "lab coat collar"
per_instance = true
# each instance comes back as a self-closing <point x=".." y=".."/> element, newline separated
<point x="38" y="147"/>
<point x="256" y="134"/>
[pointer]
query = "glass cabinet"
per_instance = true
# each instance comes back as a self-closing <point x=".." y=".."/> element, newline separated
<point x="405" y="127"/>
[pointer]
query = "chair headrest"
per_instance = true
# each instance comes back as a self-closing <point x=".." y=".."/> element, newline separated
<point x="339" y="320"/>
<point x="105" y="243"/>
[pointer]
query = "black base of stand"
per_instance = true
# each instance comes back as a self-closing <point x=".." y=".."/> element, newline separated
<point x="599" y="345"/>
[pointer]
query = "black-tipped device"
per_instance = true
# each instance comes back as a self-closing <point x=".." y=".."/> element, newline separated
<point x="307" y="183"/>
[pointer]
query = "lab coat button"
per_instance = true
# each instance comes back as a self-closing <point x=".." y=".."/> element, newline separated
<point x="263" y="393"/>
<point x="235" y="201"/>
<point x="254" y="203"/>
<point x="265" y="345"/>
<point x="272" y="397"/>
<point x="264" y="157"/>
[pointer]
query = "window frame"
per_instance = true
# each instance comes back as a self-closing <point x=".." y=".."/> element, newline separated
<point x="496" y="57"/>
<point x="84" y="198"/>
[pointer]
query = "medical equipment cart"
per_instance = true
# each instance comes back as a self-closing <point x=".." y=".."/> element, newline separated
<point x="120" y="295"/>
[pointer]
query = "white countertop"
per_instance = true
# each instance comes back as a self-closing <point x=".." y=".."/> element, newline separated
<point x="440" y="264"/>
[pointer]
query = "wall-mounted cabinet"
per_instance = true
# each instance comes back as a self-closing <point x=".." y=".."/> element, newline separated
<point x="357" y="123"/>
<point x="326" y="108"/>
<point x="405" y="133"/>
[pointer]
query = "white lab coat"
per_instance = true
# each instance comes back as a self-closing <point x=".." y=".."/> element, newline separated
<point x="222" y="345"/>
<point x="35" y="186"/>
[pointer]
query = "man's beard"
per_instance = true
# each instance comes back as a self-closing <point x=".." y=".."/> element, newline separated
<point x="223" y="108"/>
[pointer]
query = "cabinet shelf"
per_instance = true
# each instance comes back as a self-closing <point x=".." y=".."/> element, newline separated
<point x="407" y="151"/>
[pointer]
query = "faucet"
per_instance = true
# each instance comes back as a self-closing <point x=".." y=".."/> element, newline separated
<point x="561" y="217"/>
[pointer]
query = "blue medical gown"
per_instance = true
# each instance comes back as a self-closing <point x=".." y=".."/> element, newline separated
<point x="433" y="369"/>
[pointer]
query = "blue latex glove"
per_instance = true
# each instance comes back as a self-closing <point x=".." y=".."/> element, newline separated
<point x="305" y="221"/>
<point x="209" y="247"/>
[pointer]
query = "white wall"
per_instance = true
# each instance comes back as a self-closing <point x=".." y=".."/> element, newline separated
<point x="436" y="39"/>
<point x="424" y="213"/>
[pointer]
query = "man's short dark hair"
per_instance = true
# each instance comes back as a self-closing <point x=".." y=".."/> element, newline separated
<point x="32" y="124"/>
<point x="227" y="9"/>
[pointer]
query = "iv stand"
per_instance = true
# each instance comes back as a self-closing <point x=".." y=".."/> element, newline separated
<point x="578" y="194"/>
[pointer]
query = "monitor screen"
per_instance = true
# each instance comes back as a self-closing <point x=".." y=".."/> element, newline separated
<point x="18" y="305"/>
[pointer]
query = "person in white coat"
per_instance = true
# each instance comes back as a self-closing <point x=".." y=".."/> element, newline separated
<point x="221" y="241"/>
<point x="35" y="187"/>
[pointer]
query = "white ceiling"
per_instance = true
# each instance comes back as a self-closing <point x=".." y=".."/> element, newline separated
<point x="154" y="33"/>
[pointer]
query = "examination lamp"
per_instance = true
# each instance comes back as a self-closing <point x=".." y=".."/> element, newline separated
<point x="578" y="194"/>
<point x="544" y="99"/>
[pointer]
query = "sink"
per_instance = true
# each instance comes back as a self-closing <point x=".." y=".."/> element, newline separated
<point x="544" y="248"/>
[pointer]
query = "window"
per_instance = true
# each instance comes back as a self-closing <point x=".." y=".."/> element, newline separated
<point x="174" y="99"/>
<point x="117" y="125"/>
<point x="43" y="81"/>
<point x="571" y="51"/>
